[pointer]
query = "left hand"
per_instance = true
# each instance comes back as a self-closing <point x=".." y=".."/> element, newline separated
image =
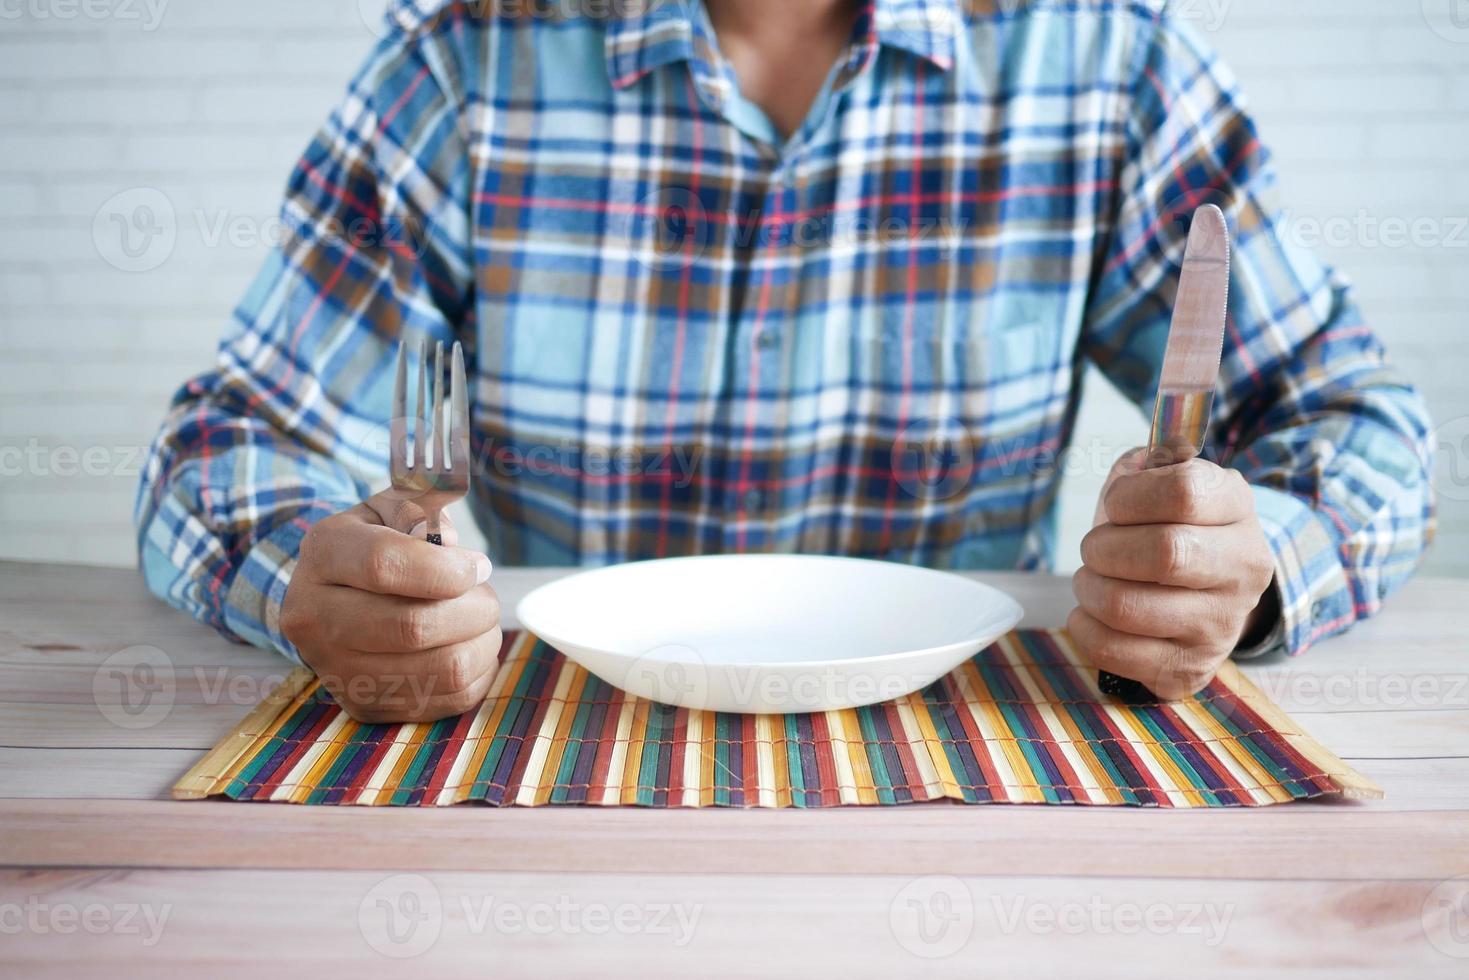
<point x="1172" y="575"/>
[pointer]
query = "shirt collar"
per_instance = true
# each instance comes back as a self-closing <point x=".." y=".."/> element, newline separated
<point x="648" y="34"/>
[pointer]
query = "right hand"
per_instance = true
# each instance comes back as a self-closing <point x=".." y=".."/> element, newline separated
<point x="397" y="629"/>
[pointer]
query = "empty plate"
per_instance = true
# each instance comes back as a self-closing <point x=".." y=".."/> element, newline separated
<point x="768" y="633"/>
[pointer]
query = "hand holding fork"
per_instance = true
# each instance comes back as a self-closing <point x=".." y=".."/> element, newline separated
<point x="397" y="629"/>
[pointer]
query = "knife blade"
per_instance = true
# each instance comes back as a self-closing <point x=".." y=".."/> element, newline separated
<point x="1185" y="396"/>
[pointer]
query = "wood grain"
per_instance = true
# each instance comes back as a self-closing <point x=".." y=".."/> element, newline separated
<point x="1316" y="887"/>
<point x="1275" y="842"/>
<point x="263" y="923"/>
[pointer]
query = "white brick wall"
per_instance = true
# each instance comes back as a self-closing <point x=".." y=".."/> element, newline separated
<point x="1366" y="103"/>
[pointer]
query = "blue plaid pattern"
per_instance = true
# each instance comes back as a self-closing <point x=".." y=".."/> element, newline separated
<point x="689" y="334"/>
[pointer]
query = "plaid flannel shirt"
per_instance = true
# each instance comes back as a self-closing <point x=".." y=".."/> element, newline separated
<point x="688" y="334"/>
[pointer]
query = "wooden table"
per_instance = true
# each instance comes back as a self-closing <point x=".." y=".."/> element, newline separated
<point x="102" y="872"/>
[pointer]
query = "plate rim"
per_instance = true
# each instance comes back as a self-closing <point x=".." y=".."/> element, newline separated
<point x="1014" y="614"/>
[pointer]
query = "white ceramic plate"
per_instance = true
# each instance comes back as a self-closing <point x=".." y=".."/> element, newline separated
<point x="768" y="633"/>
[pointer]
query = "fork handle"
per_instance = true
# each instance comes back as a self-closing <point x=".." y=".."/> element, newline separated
<point x="1125" y="689"/>
<point x="435" y="538"/>
<point x="431" y="532"/>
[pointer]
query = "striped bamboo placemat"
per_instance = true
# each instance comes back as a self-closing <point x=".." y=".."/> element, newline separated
<point x="1022" y="722"/>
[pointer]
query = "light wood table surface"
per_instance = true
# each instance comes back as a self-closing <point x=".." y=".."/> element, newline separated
<point x="102" y="875"/>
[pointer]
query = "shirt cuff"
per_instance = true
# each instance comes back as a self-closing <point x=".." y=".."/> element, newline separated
<point x="1315" y="600"/>
<point x="253" y="605"/>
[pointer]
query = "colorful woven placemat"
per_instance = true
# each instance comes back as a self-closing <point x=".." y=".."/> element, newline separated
<point x="1022" y="722"/>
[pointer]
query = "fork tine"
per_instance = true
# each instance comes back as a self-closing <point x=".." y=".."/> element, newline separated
<point x="436" y="419"/>
<point x="420" y="440"/>
<point x="459" y="412"/>
<point x="398" y="421"/>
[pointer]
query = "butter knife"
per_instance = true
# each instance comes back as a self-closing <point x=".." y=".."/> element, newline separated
<point x="1190" y="371"/>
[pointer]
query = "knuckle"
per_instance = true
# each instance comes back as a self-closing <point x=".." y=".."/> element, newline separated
<point x="493" y="608"/>
<point x="1185" y="674"/>
<point x="1119" y="605"/>
<point x="460" y="669"/>
<point x="385" y="564"/>
<point x="416" y="628"/>
<point x="294" y="622"/>
<point x="1091" y="547"/>
<point x="461" y="701"/>
<point x="1079" y="628"/>
<point x="1189" y="493"/>
<point x="1177" y="548"/>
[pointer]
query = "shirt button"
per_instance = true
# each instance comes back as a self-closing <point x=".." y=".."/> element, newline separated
<point x="767" y="339"/>
<point x="753" y="500"/>
<point x="1318" y="611"/>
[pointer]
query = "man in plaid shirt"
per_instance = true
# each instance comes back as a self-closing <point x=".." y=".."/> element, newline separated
<point x="780" y="275"/>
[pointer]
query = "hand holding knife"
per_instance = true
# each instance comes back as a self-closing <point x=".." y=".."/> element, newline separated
<point x="1137" y="609"/>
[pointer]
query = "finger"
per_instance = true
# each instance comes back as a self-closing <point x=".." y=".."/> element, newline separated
<point x="1180" y="555"/>
<point x="1146" y="609"/>
<point x="448" y="705"/>
<point x="400" y="511"/>
<point x="379" y="559"/>
<point x="1129" y="462"/>
<point x="404" y="681"/>
<point x="1169" y="670"/>
<point x="358" y="620"/>
<point x="1196" y="492"/>
<point x="1134" y="657"/>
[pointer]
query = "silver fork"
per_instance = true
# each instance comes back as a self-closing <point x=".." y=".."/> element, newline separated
<point x="431" y="476"/>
